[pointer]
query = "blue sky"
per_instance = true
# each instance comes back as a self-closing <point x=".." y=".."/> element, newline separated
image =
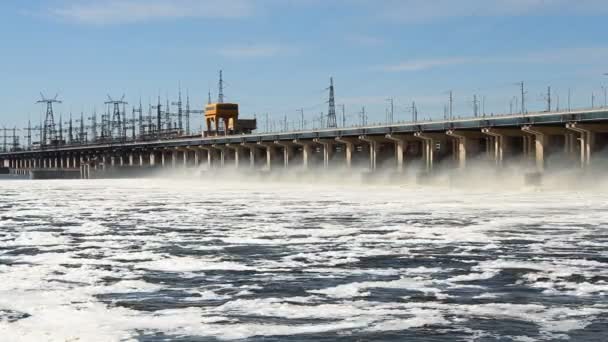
<point x="278" y="55"/>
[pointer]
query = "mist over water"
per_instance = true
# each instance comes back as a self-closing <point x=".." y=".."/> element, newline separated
<point x="338" y="257"/>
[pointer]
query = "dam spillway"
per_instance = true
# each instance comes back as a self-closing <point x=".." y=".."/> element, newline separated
<point x="529" y="139"/>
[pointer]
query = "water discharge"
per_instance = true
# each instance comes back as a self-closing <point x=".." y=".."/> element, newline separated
<point x="156" y="260"/>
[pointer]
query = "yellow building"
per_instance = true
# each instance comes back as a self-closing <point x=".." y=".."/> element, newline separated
<point x="223" y="119"/>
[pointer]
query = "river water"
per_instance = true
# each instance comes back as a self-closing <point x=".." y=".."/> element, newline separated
<point x="158" y="260"/>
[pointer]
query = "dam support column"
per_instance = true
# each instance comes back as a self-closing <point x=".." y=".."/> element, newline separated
<point x="428" y="147"/>
<point x="401" y="143"/>
<point x="174" y="158"/>
<point x="306" y="152"/>
<point x="328" y="150"/>
<point x="540" y="145"/>
<point x="587" y="141"/>
<point x="287" y="148"/>
<point x="153" y="158"/>
<point x="374" y="147"/>
<point x="252" y="153"/>
<point x="221" y="149"/>
<point x="238" y="154"/>
<point x="270" y="153"/>
<point x="349" y="149"/>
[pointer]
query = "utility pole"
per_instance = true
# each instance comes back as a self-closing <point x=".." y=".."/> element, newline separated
<point x="523" y="98"/>
<point x="475" y="106"/>
<point x="343" y="115"/>
<point x="331" y="113"/>
<point x="605" y="96"/>
<point x="548" y="99"/>
<point x="301" y="111"/>
<point x="451" y="104"/>
<point x="592" y="100"/>
<point x="414" y="112"/>
<point x="569" y="94"/>
<point x="391" y="111"/>
<point x="363" y="116"/>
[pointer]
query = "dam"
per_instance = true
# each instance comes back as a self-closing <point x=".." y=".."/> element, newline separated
<point x="575" y="136"/>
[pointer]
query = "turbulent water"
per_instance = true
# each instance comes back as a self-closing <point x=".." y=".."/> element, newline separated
<point x="154" y="260"/>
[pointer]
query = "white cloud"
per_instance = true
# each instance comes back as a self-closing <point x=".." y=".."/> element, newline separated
<point x="575" y="55"/>
<point x="364" y="40"/>
<point x="424" y="64"/>
<point x="417" y="11"/>
<point x="103" y="12"/>
<point x="255" y="51"/>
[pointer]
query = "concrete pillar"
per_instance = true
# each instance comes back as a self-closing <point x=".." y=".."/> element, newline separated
<point x="131" y="159"/>
<point x="221" y="150"/>
<point x="373" y="151"/>
<point x="141" y="159"/>
<point x="428" y="149"/>
<point x="270" y="152"/>
<point x="586" y="141"/>
<point x="287" y="148"/>
<point x="306" y="152"/>
<point x="401" y="142"/>
<point x="185" y="158"/>
<point x="328" y="150"/>
<point x="252" y="153"/>
<point x="238" y="153"/>
<point x="153" y="158"/>
<point x="349" y="149"/>
<point x="174" y="159"/>
<point x="460" y="148"/>
<point x="163" y="159"/>
<point x="540" y="143"/>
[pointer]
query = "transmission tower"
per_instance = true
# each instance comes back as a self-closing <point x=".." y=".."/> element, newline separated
<point x="49" y="135"/>
<point x="15" y="140"/>
<point x="60" y="130"/>
<point x="70" y="132"/>
<point x="116" y="124"/>
<point x="331" y="114"/>
<point x="140" y="119"/>
<point x="29" y="130"/>
<point x="168" y="123"/>
<point x="180" y="124"/>
<point x="93" y="119"/>
<point x="220" y="94"/>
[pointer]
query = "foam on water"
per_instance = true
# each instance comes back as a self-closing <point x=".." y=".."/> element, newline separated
<point x="154" y="260"/>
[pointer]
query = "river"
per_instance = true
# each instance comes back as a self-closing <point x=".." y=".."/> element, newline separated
<point x="159" y="260"/>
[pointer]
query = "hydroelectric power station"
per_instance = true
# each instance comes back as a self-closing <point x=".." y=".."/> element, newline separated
<point x="229" y="141"/>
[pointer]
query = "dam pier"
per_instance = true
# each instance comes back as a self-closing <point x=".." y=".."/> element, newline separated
<point x="538" y="142"/>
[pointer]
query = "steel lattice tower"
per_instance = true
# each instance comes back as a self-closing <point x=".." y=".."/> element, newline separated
<point x="49" y="135"/>
<point x="331" y="114"/>
<point x="116" y="123"/>
<point x="220" y="95"/>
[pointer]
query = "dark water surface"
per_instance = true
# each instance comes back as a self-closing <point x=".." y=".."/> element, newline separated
<point x="154" y="260"/>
